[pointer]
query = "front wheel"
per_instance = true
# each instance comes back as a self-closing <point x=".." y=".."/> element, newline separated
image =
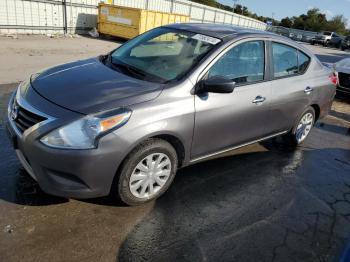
<point x="302" y="128"/>
<point x="146" y="173"/>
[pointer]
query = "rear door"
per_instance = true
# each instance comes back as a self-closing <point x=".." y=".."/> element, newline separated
<point x="292" y="88"/>
<point x="226" y="120"/>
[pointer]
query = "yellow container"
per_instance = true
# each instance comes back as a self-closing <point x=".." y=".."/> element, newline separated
<point x="127" y="22"/>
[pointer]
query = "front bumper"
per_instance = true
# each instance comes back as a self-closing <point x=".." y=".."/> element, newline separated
<point x="66" y="173"/>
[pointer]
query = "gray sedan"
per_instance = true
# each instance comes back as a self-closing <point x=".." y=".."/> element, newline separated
<point x="123" y="123"/>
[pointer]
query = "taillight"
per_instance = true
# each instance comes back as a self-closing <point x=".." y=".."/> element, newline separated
<point x="334" y="78"/>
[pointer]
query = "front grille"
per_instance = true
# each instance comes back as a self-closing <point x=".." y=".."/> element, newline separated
<point x="25" y="119"/>
<point x="344" y="80"/>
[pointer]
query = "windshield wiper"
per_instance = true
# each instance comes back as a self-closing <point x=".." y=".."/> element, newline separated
<point x="130" y="69"/>
<point x="103" y="58"/>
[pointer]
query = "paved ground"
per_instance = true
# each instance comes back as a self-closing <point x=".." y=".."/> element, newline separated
<point x="27" y="54"/>
<point x="328" y="55"/>
<point x="261" y="203"/>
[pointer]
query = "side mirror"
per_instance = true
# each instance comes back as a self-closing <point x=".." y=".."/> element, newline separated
<point x="216" y="84"/>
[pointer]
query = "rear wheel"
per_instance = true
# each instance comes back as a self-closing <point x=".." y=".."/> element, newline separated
<point x="302" y="128"/>
<point x="146" y="173"/>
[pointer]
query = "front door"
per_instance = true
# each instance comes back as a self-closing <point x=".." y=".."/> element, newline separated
<point x="223" y="121"/>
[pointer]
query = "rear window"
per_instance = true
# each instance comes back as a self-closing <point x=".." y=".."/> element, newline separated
<point x="285" y="60"/>
<point x="288" y="61"/>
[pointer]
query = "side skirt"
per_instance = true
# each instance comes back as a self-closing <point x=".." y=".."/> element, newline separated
<point x="236" y="147"/>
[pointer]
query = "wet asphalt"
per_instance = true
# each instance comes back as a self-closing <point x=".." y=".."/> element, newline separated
<point x="264" y="202"/>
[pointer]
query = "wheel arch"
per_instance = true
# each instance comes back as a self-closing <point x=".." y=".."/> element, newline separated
<point x="171" y="138"/>
<point x="317" y="109"/>
<point x="174" y="140"/>
<point x="176" y="144"/>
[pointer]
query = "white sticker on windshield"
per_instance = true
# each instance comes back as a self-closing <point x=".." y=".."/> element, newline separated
<point x="207" y="39"/>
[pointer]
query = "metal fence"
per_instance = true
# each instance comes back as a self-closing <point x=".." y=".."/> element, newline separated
<point x="77" y="16"/>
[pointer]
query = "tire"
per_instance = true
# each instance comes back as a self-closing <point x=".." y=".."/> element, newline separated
<point x="293" y="137"/>
<point x="326" y="44"/>
<point x="312" y="42"/>
<point x="125" y="182"/>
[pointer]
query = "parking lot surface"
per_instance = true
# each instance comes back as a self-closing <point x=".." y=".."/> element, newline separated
<point x="264" y="202"/>
<point x="328" y="55"/>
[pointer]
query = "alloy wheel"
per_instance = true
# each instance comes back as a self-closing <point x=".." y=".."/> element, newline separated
<point x="304" y="127"/>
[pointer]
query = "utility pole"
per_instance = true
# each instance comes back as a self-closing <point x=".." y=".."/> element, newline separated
<point x="65" y="25"/>
<point x="235" y="4"/>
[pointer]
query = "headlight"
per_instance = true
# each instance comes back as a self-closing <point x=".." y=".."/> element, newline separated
<point x="83" y="133"/>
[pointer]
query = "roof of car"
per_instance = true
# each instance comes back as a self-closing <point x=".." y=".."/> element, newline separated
<point x="218" y="30"/>
<point x="227" y="32"/>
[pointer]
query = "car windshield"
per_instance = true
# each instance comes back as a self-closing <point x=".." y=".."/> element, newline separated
<point x="327" y="33"/>
<point x="162" y="55"/>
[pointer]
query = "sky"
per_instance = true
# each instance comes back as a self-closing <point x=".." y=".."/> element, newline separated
<point x="283" y="8"/>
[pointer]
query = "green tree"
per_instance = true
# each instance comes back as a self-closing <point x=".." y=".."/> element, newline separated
<point x="286" y="22"/>
<point x="313" y="20"/>
<point x="238" y="9"/>
<point x="298" y="23"/>
<point x="212" y="3"/>
<point x="337" y="24"/>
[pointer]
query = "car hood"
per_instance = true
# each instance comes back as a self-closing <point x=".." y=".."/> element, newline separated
<point x="89" y="86"/>
<point x="343" y="66"/>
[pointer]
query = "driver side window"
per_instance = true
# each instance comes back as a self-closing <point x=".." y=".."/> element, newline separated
<point x="243" y="63"/>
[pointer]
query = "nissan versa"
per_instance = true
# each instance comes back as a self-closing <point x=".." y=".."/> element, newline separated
<point x="123" y="123"/>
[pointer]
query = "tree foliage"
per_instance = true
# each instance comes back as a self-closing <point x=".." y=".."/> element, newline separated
<point x="239" y="9"/>
<point x="313" y="20"/>
<point x="212" y="3"/>
<point x="338" y="24"/>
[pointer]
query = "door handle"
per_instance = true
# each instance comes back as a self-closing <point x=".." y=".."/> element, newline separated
<point x="258" y="100"/>
<point x="308" y="90"/>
